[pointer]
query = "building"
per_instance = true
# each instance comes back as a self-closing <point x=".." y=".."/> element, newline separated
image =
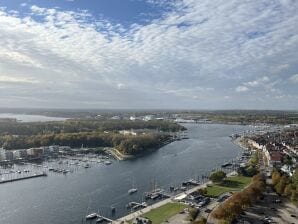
<point x="132" y="118"/>
<point x="9" y="155"/>
<point x="34" y="153"/>
<point x="2" y="154"/>
<point x="276" y="158"/>
<point x="128" y="132"/>
<point x="148" y="118"/>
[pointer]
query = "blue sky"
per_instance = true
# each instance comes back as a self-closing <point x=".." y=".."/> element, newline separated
<point x="185" y="54"/>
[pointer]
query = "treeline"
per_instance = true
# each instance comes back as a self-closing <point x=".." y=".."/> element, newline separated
<point x="285" y="185"/>
<point x="251" y="117"/>
<point x="127" y="144"/>
<point x="239" y="201"/>
<point x="74" y="126"/>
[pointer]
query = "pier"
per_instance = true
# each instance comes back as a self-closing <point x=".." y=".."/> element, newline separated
<point x="136" y="205"/>
<point x="23" y="178"/>
<point x="98" y="217"/>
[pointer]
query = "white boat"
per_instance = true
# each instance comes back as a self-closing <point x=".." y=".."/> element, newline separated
<point x="99" y="219"/>
<point x="91" y="216"/>
<point x="132" y="190"/>
<point x="108" y="162"/>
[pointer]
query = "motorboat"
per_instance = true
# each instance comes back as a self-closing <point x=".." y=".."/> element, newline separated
<point x="92" y="216"/>
<point x="132" y="190"/>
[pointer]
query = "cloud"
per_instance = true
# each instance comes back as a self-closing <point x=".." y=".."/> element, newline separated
<point x="9" y="79"/>
<point x="120" y="86"/>
<point x="196" y="50"/>
<point x="241" y="89"/>
<point x="294" y="78"/>
<point x="257" y="82"/>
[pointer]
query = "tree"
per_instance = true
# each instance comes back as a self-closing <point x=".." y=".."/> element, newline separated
<point x="295" y="177"/>
<point x="287" y="160"/>
<point x="202" y="191"/>
<point x="288" y="190"/>
<point x="251" y="171"/>
<point x="294" y="196"/>
<point x="275" y="177"/>
<point x="280" y="186"/>
<point x="193" y="213"/>
<point x="218" y="176"/>
<point x="201" y="220"/>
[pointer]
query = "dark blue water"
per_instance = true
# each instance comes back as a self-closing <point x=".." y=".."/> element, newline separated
<point x="66" y="199"/>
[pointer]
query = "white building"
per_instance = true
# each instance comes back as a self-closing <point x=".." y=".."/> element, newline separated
<point x="2" y="154"/>
<point x="128" y="132"/>
<point x="148" y="118"/>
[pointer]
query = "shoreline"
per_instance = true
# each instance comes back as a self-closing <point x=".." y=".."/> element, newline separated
<point x="131" y="216"/>
<point x="120" y="156"/>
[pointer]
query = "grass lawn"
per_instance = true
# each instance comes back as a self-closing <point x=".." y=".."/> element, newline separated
<point x="161" y="214"/>
<point x="229" y="184"/>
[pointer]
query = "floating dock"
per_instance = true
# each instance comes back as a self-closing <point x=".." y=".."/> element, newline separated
<point x="136" y="205"/>
<point x="23" y="178"/>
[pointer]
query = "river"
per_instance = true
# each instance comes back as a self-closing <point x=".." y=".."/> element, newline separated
<point x="66" y="199"/>
<point x="30" y="118"/>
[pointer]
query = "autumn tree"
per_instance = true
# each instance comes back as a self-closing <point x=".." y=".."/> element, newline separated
<point x="218" y="176"/>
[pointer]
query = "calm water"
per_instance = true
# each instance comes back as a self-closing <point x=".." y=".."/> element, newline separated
<point x="31" y="118"/>
<point x="65" y="199"/>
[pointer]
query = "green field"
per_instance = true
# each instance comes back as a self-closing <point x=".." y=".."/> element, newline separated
<point x="163" y="213"/>
<point x="229" y="184"/>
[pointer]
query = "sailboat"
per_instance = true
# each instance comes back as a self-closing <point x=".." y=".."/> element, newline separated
<point x="133" y="189"/>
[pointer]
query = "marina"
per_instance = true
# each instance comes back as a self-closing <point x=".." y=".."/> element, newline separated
<point x="104" y="188"/>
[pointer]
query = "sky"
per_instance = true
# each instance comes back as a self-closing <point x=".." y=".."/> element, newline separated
<point x="155" y="54"/>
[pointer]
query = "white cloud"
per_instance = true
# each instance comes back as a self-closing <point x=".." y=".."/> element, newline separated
<point x="200" y="50"/>
<point x="241" y="89"/>
<point x="9" y="79"/>
<point x="257" y="82"/>
<point x="120" y="86"/>
<point x="294" y="78"/>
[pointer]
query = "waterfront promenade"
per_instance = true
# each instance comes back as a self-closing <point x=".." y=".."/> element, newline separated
<point x="158" y="204"/>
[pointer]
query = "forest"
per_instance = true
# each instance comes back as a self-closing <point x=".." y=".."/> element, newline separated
<point x="74" y="126"/>
<point x="89" y="133"/>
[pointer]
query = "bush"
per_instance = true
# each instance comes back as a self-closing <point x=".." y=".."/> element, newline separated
<point x="193" y="213"/>
<point x="202" y="220"/>
<point x="202" y="191"/>
<point x="218" y="176"/>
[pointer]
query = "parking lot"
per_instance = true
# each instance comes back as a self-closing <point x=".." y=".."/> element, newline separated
<point x="271" y="209"/>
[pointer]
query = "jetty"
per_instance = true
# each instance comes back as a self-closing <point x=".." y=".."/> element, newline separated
<point x="98" y="216"/>
<point x="136" y="205"/>
<point x="23" y="178"/>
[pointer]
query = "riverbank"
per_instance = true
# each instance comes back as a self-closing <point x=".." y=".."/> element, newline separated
<point x="120" y="156"/>
<point x="173" y="199"/>
<point x="239" y="142"/>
